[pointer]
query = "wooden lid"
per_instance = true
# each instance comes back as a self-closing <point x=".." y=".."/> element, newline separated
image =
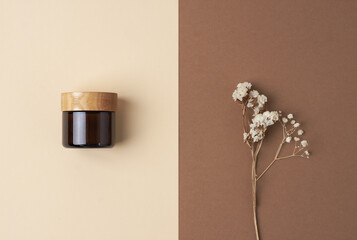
<point x="89" y="101"/>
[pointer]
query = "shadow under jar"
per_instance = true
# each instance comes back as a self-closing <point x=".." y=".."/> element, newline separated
<point x="88" y="119"/>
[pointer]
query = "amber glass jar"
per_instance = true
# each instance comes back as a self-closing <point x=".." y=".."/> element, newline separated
<point x="88" y="119"/>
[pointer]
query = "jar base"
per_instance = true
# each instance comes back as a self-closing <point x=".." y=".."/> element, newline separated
<point x="88" y="146"/>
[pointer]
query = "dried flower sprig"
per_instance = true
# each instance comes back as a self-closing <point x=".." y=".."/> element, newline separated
<point x="256" y="120"/>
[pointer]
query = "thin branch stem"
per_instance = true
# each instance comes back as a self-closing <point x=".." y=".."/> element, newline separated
<point x="243" y="118"/>
<point x="276" y="156"/>
<point x="292" y="155"/>
<point x="258" y="148"/>
<point x="266" y="169"/>
<point x="299" y="150"/>
<point x="254" y="192"/>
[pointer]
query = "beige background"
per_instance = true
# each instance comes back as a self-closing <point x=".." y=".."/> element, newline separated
<point x="127" y="192"/>
<point x="302" y="55"/>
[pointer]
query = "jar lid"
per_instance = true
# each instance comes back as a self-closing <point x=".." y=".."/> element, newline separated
<point x="89" y="101"/>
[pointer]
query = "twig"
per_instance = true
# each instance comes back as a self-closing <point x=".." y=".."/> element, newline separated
<point x="276" y="155"/>
<point x="254" y="192"/>
<point x="266" y="169"/>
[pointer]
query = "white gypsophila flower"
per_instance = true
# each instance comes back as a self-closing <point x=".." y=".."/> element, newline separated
<point x="260" y="122"/>
<point x="290" y="116"/>
<point x="261" y="99"/>
<point x="300" y="132"/>
<point x="254" y="93"/>
<point x="288" y="139"/>
<point x="235" y="95"/>
<point x="272" y="116"/>
<point x="265" y="119"/>
<point x="250" y="105"/>
<point x="297" y="125"/>
<point x="241" y="91"/>
<point x="304" y="143"/>
<point x="256" y="133"/>
<point x="296" y="139"/>
<point x="256" y="110"/>
<point x="293" y="121"/>
<point x="245" y="136"/>
<point x="307" y="153"/>
<point x="246" y="85"/>
<point x="285" y="120"/>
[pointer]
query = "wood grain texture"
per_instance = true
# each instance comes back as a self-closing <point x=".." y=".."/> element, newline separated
<point x="88" y="101"/>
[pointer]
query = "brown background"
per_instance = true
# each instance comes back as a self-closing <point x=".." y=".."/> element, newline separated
<point x="302" y="55"/>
